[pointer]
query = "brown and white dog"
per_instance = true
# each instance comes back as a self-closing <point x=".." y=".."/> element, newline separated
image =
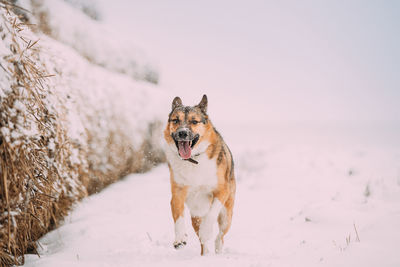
<point x="202" y="175"/>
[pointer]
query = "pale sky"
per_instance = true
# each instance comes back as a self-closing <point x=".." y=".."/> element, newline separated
<point x="273" y="60"/>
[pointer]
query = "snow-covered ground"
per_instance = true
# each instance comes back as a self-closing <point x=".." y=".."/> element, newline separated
<point x="307" y="195"/>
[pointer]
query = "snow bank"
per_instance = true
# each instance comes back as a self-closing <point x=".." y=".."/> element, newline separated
<point x="39" y="178"/>
<point x="65" y="22"/>
<point x="119" y="113"/>
<point x="68" y="128"/>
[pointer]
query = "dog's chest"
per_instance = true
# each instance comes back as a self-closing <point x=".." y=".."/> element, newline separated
<point x="203" y="174"/>
<point x="201" y="180"/>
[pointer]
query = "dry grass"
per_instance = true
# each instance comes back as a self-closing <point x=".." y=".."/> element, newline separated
<point x="121" y="158"/>
<point x="39" y="181"/>
<point x="349" y="240"/>
<point x="35" y="190"/>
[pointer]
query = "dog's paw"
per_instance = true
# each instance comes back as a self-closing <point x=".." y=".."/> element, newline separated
<point x="218" y="245"/>
<point x="180" y="241"/>
<point x="179" y="245"/>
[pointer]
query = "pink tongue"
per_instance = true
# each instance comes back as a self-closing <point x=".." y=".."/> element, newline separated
<point x="184" y="149"/>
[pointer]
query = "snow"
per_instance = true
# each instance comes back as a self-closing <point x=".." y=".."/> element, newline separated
<point x="93" y="40"/>
<point x="307" y="195"/>
<point x="90" y="113"/>
<point x="90" y="90"/>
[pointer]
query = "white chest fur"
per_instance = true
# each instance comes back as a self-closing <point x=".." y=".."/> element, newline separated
<point x="201" y="179"/>
<point x="203" y="174"/>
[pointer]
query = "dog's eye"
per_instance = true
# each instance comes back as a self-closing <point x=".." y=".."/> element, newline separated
<point x="175" y="121"/>
<point x="195" y="122"/>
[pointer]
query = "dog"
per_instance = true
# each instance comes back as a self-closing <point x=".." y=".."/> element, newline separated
<point x="201" y="174"/>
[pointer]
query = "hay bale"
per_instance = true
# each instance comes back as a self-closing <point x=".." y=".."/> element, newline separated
<point x="39" y="181"/>
<point x="62" y="136"/>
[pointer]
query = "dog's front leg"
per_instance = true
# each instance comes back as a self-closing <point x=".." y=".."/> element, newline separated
<point x="177" y="207"/>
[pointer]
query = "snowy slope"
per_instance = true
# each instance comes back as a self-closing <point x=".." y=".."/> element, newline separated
<point x="320" y="197"/>
<point x="66" y="22"/>
<point x="69" y="127"/>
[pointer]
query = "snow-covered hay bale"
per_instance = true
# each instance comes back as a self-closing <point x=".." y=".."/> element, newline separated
<point x="68" y="128"/>
<point x="39" y="180"/>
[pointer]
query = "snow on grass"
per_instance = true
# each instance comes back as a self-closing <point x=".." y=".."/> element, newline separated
<point x="304" y="198"/>
<point x="70" y="128"/>
<point x="97" y="93"/>
<point x="65" y="22"/>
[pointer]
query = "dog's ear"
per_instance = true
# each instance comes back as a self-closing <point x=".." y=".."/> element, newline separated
<point x="177" y="102"/>
<point x="203" y="104"/>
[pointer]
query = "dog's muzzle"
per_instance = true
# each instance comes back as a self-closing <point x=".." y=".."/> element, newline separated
<point x="185" y="141"/>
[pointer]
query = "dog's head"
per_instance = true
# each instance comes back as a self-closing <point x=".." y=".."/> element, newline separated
<point x="186" y="126"/>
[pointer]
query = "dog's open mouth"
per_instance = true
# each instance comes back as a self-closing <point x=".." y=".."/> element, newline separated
<point x="185" y="147"/>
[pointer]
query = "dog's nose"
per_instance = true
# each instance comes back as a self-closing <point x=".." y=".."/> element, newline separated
<point x="182" y="134"/>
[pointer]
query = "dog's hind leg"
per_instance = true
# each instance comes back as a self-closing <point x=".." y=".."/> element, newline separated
<point x="224" y="223"/>
<point x="196" y="221"/>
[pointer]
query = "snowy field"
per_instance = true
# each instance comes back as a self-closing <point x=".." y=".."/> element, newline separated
<point x="307" y="195"/>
